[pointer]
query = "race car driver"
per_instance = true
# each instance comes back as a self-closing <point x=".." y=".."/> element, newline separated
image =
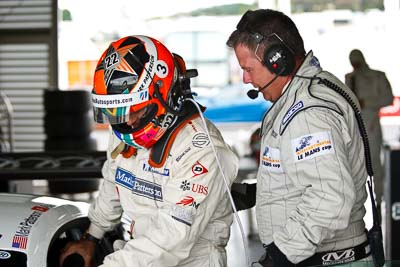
<point x="312" y="173"/>
<point x="161" y="171"/>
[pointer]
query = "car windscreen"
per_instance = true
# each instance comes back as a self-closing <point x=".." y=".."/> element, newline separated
<point x="11" y="258"/>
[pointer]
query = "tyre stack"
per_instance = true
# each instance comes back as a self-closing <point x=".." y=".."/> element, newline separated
<point x="68" y="124"/>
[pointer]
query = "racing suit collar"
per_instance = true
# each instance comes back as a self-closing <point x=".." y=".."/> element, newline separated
<point x="309" y="68"/>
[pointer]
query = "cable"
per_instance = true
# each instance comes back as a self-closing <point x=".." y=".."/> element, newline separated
<point x="246" y="247"/>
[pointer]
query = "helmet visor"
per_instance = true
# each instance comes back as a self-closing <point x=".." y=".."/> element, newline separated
<point x="125" y="115"/>
<point x="119" y="108"/>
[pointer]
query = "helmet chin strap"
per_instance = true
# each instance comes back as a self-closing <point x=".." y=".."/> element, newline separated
<point x="191" y="73"/>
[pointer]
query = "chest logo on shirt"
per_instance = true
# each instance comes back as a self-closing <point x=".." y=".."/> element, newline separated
<point x="200" y="140"/>
<point x="196" y="188"/>
<point x="138" y="186"/>
<point x="148" y="168"/>
<point x="188" y="201"/>
<point x="292" y="111"/>
<point x="198" y="169"/>
<point x="311" y="146"/>
<point x="271" y="159"/>
<point x="124" y="178"/>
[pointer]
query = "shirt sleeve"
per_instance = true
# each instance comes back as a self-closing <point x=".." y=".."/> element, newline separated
<point x="105" y="211"/>
<point x="314" y="156"/>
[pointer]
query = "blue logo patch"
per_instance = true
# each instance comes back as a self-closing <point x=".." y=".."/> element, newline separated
<point x="266" y="151"/>
<point x="147" y="189"/>
<point x="314" y="62"/>
<point x="148" y="168"/>
<point x="124" y="178"/>
<point x="292" y="111"/>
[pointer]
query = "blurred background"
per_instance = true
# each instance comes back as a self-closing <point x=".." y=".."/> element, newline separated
<point x="55" y="45"/>
<point x="49" y="49"/>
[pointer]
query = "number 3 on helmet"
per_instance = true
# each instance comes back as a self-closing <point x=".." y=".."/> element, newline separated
<point x="137" y="76"/>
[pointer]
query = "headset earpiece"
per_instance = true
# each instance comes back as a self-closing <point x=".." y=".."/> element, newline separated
<point x="183" y="76"/>
<point x="279" y="60"/>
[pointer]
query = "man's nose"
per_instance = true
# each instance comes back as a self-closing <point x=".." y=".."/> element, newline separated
<point x="246" y="77"/>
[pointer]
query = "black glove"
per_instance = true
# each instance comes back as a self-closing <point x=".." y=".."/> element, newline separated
<point x="264" y="261"/>
<point x="244" y="195"/>
<point x="278" y="258"/>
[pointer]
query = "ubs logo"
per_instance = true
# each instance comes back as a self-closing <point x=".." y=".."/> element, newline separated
<point x="338" y="257"/>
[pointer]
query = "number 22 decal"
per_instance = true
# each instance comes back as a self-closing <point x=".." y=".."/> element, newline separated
<point x="111" y="60"/>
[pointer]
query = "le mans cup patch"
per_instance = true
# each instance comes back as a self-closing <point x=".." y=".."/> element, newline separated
<point x="271" y="159"/>
<point x="312" y="146"/>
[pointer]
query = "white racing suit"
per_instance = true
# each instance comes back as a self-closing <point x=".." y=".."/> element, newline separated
<point x="311" y="184"/>
<point x="180" y="211"/>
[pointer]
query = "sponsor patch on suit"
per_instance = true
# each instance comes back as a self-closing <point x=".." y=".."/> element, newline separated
<point x="312" y="145"/>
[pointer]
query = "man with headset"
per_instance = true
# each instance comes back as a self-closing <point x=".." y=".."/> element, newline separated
<point x="161" y="171"/>
<point x="312" y="174"/>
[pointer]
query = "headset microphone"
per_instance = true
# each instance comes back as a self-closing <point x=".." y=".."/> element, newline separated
<point x="253" y="93"/>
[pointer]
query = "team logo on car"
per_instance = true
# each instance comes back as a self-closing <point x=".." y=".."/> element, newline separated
<point x="20" y="238"/>
<point x="40" y="208"/>
<point x="198" y="169"/>
<point x="4" y="255"/>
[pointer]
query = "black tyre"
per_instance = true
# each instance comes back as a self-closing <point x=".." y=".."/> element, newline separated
<point x="70" y="144"/>
<point x="68" y="125"/>
<point x="74" y="101"/>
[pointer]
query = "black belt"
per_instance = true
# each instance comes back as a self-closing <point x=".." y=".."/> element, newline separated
<point x="341" y="256"/>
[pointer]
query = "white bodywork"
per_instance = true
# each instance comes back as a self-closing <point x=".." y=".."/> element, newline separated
<point x="29" y="223"/>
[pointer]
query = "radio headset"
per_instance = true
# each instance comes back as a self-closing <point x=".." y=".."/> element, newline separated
<point x="374" y="235"/>
<point x="278" y="57"/>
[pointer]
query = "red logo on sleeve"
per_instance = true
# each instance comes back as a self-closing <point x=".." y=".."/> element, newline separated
<point x="198" y="169"/>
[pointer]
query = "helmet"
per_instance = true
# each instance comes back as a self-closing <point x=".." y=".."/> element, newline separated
<point x="138" y="90"/>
